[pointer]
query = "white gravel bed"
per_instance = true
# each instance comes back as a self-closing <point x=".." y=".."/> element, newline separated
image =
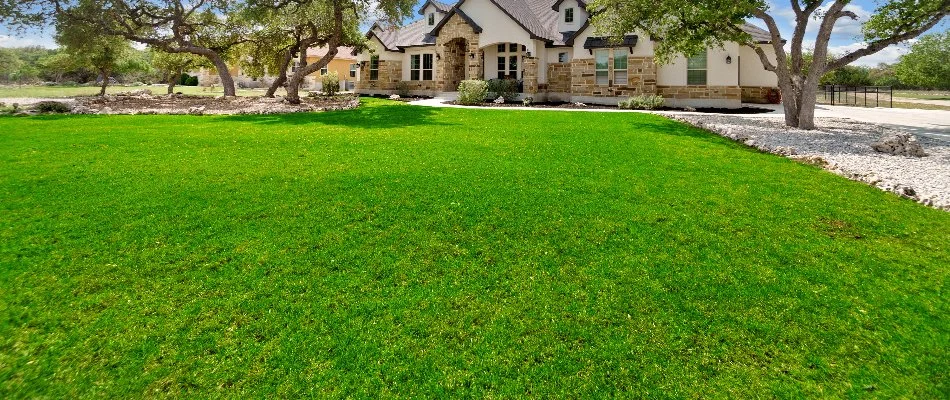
<point x="843" y="146"/>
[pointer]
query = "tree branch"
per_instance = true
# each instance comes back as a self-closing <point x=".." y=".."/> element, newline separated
<point x="879" y="45"/>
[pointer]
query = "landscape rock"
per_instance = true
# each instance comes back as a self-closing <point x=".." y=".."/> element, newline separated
<point x="500" y="100"/>
<point x="899" y="144"/>
<point x="847" y="148"/>
<point x="199" y="110"/>
<point x="81" y="109"/>
<point x="394" y="97"/>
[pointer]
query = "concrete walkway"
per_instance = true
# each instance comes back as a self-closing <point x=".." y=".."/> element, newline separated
<point x="930" y="123"/>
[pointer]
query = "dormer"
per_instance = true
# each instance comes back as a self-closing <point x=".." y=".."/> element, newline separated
<point x="572" y="14"/>
<point x="432" y="12"/>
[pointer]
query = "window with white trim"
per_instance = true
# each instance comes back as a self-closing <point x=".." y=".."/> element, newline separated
<point x="353" y="70"/>
<point x="602" y="67"/>
<point x="420" y="67"/>
<point x="324" y="71"/>
<point x="431" y="19"/>
<point x="569" y="15"/>
<point x="562" y="57"/>
<point x="696" y="69"/>
<point x="295" y="66"/>
<point x="374" y="68"/>
<point x="620" y="66"/>
<point x="509" y="60"/>
<point x="427" y="72"/>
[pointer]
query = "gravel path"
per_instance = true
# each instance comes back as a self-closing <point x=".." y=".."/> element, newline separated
<point x="843" y="146"/>
<point x="28" y="101"/>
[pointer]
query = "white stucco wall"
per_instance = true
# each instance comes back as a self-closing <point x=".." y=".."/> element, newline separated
<point x="429" y="10"/>
<point x="644" y="47"/>
<point x="497" y="27"/>
<point x="751" y="71"/>
<point x="580" y="15"/>
<point x="718" y="72"/>
<point x="375" y="47"/>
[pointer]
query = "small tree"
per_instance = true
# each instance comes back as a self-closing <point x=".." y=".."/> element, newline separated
<point x="107" y="55"/>
<point x="689" y="26"/>
<point x="928" y="63"/>
<point x="9" y="64"/>
<point x="171" y="66"/>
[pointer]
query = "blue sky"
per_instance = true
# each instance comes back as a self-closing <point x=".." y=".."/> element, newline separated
<point x="847" y="34"/>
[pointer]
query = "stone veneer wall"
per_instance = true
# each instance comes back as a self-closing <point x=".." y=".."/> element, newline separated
<point x="641" y="78"/>
<point x="530" y="76"/>
<point x="424" y="85"/>
<point x="390" y="72"/>
<point x="559" y="78"/>
<point x="700" y="92"/>
<point x="453" y="29"/>
<point x="756" y="94"/>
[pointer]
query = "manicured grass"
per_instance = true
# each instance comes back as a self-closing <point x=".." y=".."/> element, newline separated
<point x="417" y="252"/>
<point x="923" y="94"/>
<point x="72" y="91"/>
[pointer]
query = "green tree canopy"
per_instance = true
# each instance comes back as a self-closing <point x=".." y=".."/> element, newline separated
<point x="928" y="63"/>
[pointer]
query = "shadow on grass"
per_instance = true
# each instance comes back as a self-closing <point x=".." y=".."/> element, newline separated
<point x="372" y="114"/>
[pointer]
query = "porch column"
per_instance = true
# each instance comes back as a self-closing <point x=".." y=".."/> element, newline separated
<point x="530" y="77"/>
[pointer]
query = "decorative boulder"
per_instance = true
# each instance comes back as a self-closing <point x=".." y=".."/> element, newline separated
<point x="200" y="110"/>
<point x="900" y="144"/>
<point x="394" y="97"/>
<point x="500" y="100"/>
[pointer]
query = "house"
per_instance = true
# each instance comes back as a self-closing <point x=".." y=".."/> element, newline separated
<point x="550" y="47"/>
<point x="343" y="63"/>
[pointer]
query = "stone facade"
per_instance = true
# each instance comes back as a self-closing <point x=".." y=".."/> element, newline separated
<point x="530" y="77"/>
<point x="641" y="78"/>
<point x="559" y="78"/>
<point x="390" y="73"/>
<point x="699" y="92"/>
<point x="461" y="59"/>
<point x="756" y="94"/>
<point x="431" y="86"/>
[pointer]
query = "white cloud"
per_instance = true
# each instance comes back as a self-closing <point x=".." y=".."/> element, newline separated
<point x="28" y="40"/>
<point x="888" y="55"/>
<point x="845" y="26"/>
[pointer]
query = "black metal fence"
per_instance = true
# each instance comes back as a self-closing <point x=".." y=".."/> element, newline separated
<point x="861" y="96"/>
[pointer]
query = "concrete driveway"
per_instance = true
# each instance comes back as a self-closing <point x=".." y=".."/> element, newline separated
<point x="930" y="123"/>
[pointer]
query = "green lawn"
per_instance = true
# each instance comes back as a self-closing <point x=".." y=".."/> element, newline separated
<point x="72" y="91"/>
<point x="923" y="94"/>
<point x="418" y="252"/>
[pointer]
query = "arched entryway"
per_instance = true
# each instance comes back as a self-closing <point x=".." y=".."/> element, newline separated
<point x="455" y="59"/>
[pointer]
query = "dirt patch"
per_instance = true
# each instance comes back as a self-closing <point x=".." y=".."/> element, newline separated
<point x="145" y="103"/>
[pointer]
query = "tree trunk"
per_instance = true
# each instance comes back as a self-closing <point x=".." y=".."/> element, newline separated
<point x="105" y="82"/>
<point x="272" y="90"/>
<point x="172" y="80"/>
<point x="282" y="77"/>
<point x="227" y="82"/>
<point x="806" y="114"/>
<point x="293" y="88"/>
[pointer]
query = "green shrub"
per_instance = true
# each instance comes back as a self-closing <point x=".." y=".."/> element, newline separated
<point x="331" y="83"/>
<point x="52" y="107"/>
<point x="642" y="102"/>
<point x="402" y="88"/>
<point x="527" y="101"/>
<point x="472" y="91"/>
<point x="507" y="88"/>
<point x="192" y="81"/>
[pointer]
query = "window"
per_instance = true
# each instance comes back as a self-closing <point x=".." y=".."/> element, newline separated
<point x="562" y="57"/>
<point x="431" y="19"/>
<point x="415" y="67"/>
<point x="374" y="68"/>
<point x="508" y="60"/>
<point x="353" y="70"/>
<point x="620" y="66"/>
<point x="324" y="71"/>
<point x="427" y="67"/>
<point x="569" y="15"/>
<point x="420" y="67"/>
<point x="295" y="66"/>
<point x="601" y="65"/>
<point x="696" y="69"/>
